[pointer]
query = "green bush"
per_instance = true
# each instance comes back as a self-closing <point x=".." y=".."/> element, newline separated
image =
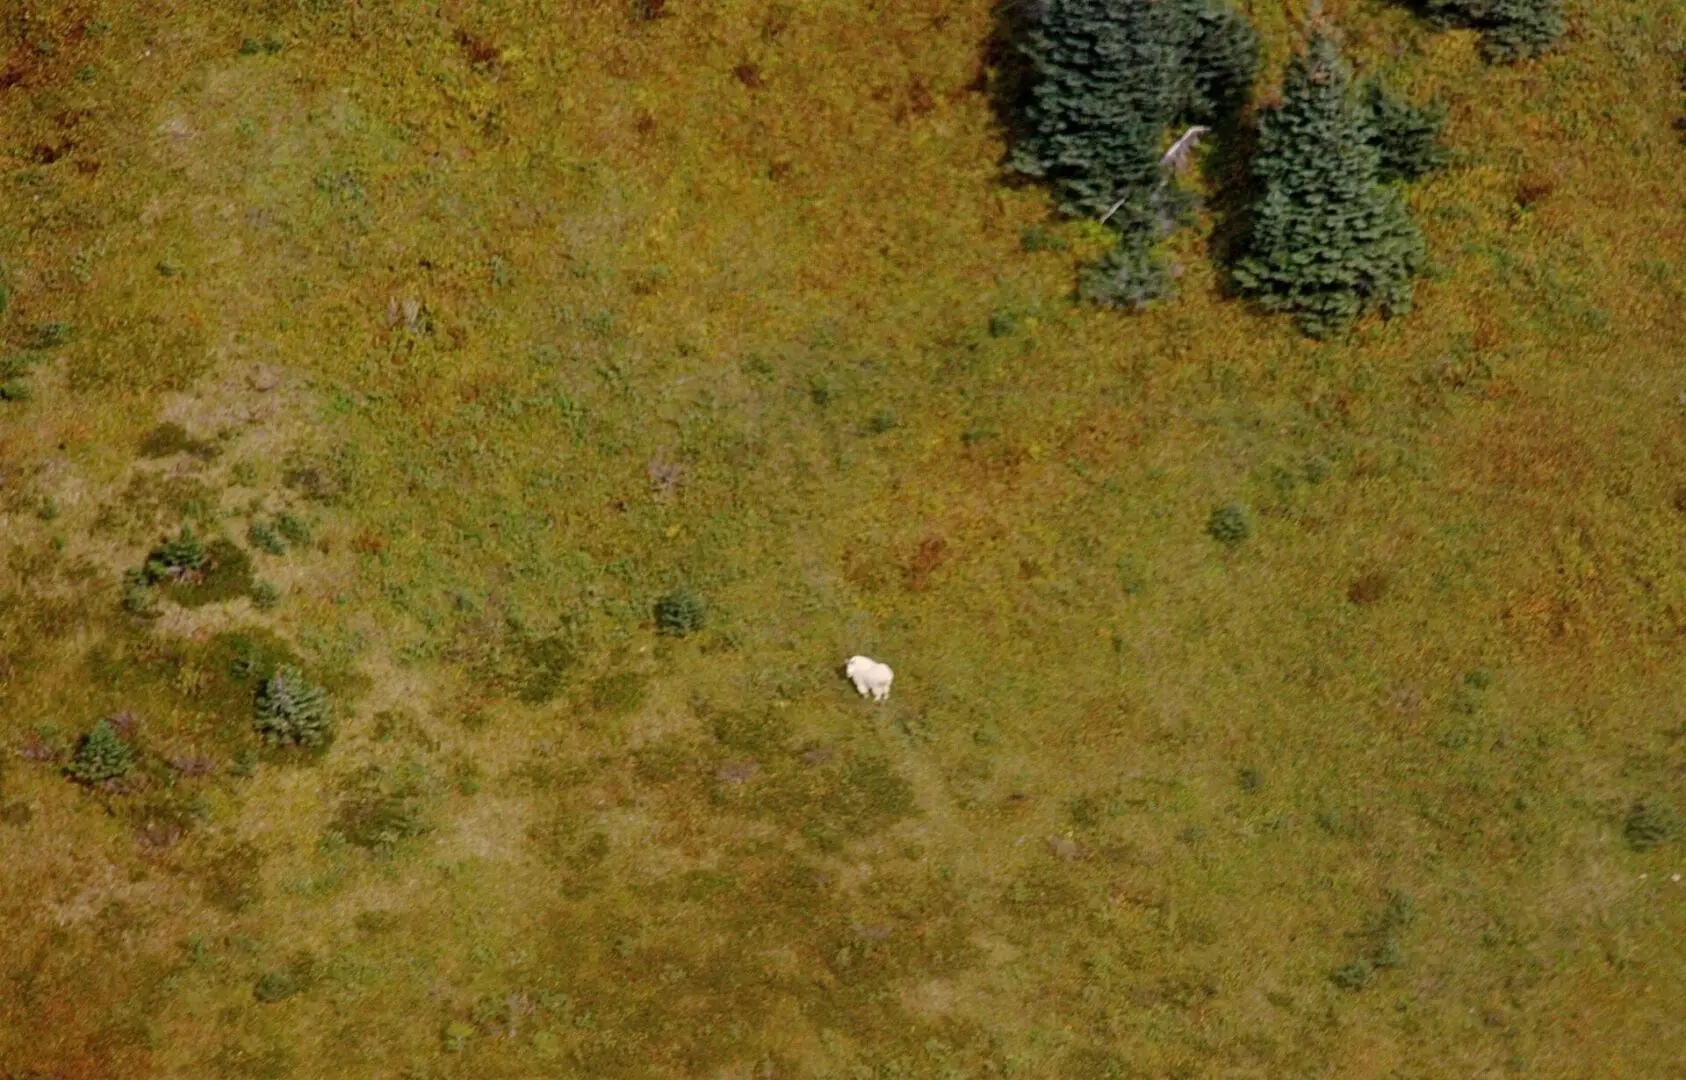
<point x="1041" y="238"/>
<point x="1406" y="136"/>
<point x="294" y="529"/>
<point x="1354" y="976"/>
<point x="1328" y="240"/>
<point x="263" y="536"/>
<point x="265" y="595"/>
<point x="275" y="986"/>
<point x="48" y="335"/>
<point x="1229" y="524"/>
<point x="1003" y="323"/>
<point x="291" y="711"/>
<point x="279" y="985"/>
<point x="680" y="613"/>
<point x="100" y="756"/>
<point x="174" y="558"/>
<point x="1651" y="822"/>
<point x="1128" y="276"/>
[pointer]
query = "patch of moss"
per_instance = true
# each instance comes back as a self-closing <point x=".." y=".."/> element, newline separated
<point x="323" y="477"/>
<point x="832" y="803"/>
<point x="545" y="665"/>
<point x="757" y="733"/>
<point x="619" y="694"/>
<point x="230" y="880"/>
<point x="278" y="985"/>
<point x="381" y="807"/>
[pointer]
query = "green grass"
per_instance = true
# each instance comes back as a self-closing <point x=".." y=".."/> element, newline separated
<point x="573" y="314"/>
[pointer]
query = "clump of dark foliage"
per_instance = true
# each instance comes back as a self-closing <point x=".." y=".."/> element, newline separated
<point x="292" y="711"/>
<point x="101" y="755"/>
<point x="1110" y="81"/>
<point x="1511" y="30"/>
<point x="1329" y="240"/>
<point x="681" y="613"/>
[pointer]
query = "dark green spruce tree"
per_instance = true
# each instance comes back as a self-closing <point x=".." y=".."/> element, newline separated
<point x="1511" y="30"/>
<point x="1110" y="79"/>
<point x="1329" y="240"/>
<point x="1407" y="136"/>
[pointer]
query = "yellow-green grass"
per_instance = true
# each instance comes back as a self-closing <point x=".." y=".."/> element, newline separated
<point x="736" y="299"/>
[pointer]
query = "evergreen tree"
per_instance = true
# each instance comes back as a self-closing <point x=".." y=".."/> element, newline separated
<point x="1223" y="55"/>
<point x="1329" y="241"/>
<point x="1111" y="78"/>
<point x="101" y="756"/>
<point x="1407" y="136"/>
<point x="1511" y="30"/>
<point x="291" y="710"/>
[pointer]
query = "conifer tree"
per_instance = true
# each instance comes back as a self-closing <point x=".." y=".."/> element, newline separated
<point x="1111" y="78"/>
<point x="1511" y="30"/>
<point x="101" y="756"/>
<point x="290" y="710"/>
<point x="1407" y="136"/>
<point x="1329" y="241"/>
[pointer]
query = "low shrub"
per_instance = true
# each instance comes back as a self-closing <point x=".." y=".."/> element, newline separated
<point x="254" y="46"/>
<point x="1042" y="238"/>
<point x="284" y="983"/>
<point x="275" y="986"/>
<point x="1229" y="524"/>
<point x="1652" y="821"/>
<point x="264" y="537"/>
<point x="292" y="528"/>
<point x="49" y="335"/>
<point x="232" y="880"/>
<point x="1354" y="976"/>
<point x="681" y="613"/>
<point x="265" y="595"/>
<point x="13" y="372"/>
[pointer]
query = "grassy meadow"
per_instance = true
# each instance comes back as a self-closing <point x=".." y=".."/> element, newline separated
<point x="512" y="317"/>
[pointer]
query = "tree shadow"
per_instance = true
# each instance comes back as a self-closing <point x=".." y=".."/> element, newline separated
<point x="1007" y="75"/>
<point x="1228" y="171"/>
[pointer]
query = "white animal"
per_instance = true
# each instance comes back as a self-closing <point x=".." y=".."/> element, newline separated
<point x="869" y="676"/>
